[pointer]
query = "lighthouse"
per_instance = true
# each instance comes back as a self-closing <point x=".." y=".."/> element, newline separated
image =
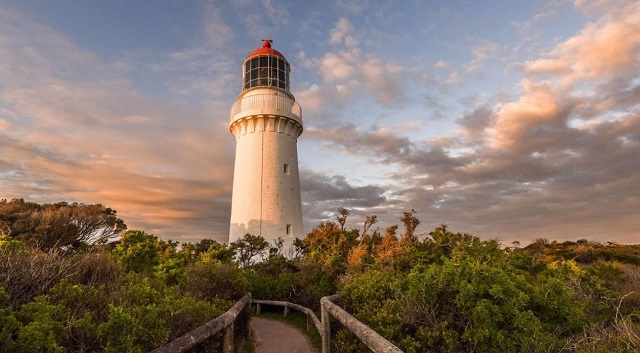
<point x="266" y="122"/>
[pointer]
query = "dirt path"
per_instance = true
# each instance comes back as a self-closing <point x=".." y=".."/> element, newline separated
<point x="272" y="336"/>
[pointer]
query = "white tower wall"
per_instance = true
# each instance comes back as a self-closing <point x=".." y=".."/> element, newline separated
<point x="266" y="123"/>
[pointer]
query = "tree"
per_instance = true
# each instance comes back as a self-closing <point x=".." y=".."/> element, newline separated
<point x="59" y="225"/>
<point x="389" y="247"/>
<point x="343" y="213"/>
<point x="249" y="247"/>
<point x="369" y="221"/>
<point x="410" y="223"/>
<point x="139" y="251"/>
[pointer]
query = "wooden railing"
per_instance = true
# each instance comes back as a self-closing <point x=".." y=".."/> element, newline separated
<point x="311" y="316"/>
<point x="224" y="322"/>
<point x="369" y="337"/>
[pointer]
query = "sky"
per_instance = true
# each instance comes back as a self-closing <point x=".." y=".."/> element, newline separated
<point x="508" y="120"/>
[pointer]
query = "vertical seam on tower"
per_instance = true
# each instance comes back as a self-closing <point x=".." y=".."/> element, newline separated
<point x="261" y="175"/>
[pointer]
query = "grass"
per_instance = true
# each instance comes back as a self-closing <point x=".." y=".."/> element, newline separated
<point x="296" y="319"/>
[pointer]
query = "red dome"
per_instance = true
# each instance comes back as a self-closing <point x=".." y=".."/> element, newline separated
<point x="266" y="50"/>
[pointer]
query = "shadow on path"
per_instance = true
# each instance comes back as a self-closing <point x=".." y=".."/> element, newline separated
<point x="272" y="336"/>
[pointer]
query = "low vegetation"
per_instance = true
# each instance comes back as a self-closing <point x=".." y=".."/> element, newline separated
<point x="118" y="290"/>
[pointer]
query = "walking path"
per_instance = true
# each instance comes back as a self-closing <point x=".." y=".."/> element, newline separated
<point x="272" y="336"/>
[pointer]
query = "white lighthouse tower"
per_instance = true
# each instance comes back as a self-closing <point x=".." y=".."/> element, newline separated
<point x="266" y="122"/>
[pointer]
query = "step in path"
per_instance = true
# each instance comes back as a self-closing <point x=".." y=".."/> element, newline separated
<point x="273" y="336"/>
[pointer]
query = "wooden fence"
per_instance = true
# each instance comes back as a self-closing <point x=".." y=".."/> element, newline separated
<point x="369" y="337"/>
<point x="224" y="322"/>
<point x="311" y="316"/>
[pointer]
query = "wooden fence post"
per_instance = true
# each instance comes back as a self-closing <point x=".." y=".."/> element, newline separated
<point x="286" y="311"/>
<point x="227" y="341"/>
<point x="258" y="307"/>
<point x="326" y="328"/>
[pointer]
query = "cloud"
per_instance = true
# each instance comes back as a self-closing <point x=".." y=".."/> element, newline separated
<point x="322" y="194"/>
<point x="85" y="134"/>
<point x="556" y="157"/>
<point x="217" y="31"/>
<point x="353" y="6"/>
<point x="601" y="6"/>
<point x="4" y="125"/>
<point x="453" y="78"/>
<point x="606" y="47"/>
<point x="474" y="124"/>
<point x="482" y="53"/>
<point x="341" y="33"/>
<point x="549" y="9"/>
<point x="560" y="160"/>
<point x="347" y="72"/>
<point x="441" y="64"/>
<point x="374" y="143"/>
<point x="276" y="12"/>
<point x="537" y="106"/>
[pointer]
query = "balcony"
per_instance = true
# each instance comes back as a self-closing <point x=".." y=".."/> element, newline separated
<point x="252" y="104"/>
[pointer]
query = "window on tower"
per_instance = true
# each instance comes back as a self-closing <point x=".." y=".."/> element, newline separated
<point x="288" y="229"/>
<point x="266" y="70"/>
<point x="286" y="168"/>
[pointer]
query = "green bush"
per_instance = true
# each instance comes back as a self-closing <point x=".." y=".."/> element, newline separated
<point x="209" y="280"/>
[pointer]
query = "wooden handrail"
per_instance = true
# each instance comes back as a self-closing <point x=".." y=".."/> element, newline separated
<point x="223" y="322"/>
<point x="371" y="338"/>
<point x="309" y="312"/>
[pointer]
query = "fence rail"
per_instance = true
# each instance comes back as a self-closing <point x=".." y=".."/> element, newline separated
<point x="287" y="305"/>
<point x="224" y="322"/>
<point x="371" y="338"/>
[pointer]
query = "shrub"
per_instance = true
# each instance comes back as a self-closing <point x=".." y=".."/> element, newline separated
<point x="209" y="280"/>
<point x="31" y="273"/>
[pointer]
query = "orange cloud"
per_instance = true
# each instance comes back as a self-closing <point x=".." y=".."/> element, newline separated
<point x="606" y="47"/>
<point x="536" y="105"/>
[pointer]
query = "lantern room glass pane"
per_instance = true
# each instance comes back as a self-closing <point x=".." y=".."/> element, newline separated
<point x="270" y="71"/>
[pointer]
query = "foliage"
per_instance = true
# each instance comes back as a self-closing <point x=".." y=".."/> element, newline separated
<point x="455" y="292"/>
<point x="209" y="280"/>
<point x="133" y="296"/>
<point x="9" y="244"/>
<point x="139" y="251"/>
<point x="248" y="248"/>
<point x="58" y="225"/>
<point x="439" y="292"/>
<point x="29" y="273"/>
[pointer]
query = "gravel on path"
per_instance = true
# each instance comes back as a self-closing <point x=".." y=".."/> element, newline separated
<point x="272" y="336"/>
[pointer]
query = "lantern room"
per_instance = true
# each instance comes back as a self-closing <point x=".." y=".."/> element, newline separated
<point x="266" y="67"/>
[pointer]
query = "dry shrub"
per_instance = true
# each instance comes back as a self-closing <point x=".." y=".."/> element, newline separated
<point x="630" y="287"/>
<point x="622" y="336"/>
<point x="97" y="268"/>
<point x="30" y="273"/>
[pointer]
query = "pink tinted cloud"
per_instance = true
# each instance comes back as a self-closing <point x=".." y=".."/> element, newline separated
<point x="85" y="134"/>
<point x="608" y="46"/>
<point x="538" y="104"/>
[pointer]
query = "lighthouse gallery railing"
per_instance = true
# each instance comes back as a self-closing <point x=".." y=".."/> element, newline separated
<point x="266" y="101"/>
